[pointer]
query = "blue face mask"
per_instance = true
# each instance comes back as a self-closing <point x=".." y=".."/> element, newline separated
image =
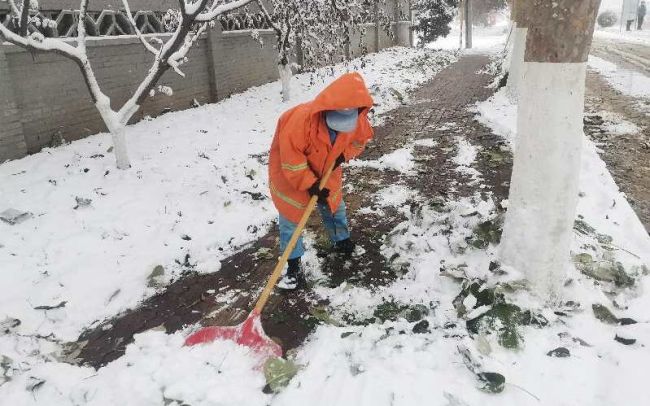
<point x="342" y="121"/>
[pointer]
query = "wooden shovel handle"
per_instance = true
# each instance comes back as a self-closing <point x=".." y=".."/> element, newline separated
<point x="273" y="280"/>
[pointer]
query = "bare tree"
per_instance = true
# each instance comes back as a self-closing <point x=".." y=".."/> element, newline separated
<point x="322" y="29"/>
<point x="544" y="186"/>
<point x="194" y="17"/>
<point x="287" y="18"/>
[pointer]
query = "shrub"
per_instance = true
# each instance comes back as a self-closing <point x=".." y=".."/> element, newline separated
<point x="433" y="18"/>
<point x="607" y="18"/>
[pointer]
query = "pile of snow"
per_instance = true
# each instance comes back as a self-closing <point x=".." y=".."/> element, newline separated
<point x="400" y="160"/>
<point x="371" y="367"/>
<point x="604" y="208"/>
<point x="395" y="195"/>
<point x="614" y="124"/>
<point x="465" y="157"/>
<point x="155" y="370"/>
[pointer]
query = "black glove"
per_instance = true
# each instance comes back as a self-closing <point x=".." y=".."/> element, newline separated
<point x="340" y="160"/>
<point x="322" y="194"/>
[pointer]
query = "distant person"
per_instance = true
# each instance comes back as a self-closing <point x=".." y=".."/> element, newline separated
<point x="630" y="11"/>
<point x="640" y="15"/>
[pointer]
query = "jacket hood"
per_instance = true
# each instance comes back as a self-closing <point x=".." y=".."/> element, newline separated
<point x="346" y="92"/>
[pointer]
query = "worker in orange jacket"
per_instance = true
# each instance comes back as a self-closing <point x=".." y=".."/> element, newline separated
<point x="333" y="128"/>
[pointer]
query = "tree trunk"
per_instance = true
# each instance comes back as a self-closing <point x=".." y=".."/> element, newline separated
<point x="516" y="70"/>
<point x="285" y="79"/>
<point x="538" y="228"/>
<point x="117" y="128"/>
<point x="461" y="16"/>
<point x="468" y="24"/>
<point x="119" y="148"/>
<point x="520" y="31"/>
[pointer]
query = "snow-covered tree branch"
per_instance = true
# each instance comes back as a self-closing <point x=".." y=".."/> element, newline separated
<point x="142" y="39"/>
<point x="193" y="20"/>
<point x="322" y="29"/>
<point x="217" y="9"/>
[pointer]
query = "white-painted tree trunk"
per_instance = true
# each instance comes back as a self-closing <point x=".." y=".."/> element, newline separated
<point x="285" y="79"/>
<point x="117" y="127"/>
<point x="510" y="44"/>
<point x="120" y="149"/>
<point x="516" y="71"/>
<point x="544" y="187"/>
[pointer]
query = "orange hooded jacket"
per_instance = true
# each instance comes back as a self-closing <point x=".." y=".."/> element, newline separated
<point x="301" y="148"/>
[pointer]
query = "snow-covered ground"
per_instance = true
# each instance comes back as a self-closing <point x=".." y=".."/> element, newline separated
<point x="626" y="81"/>
<point x="196" y="193"/>
<point x="381" y="363"/>
<point x="604" y="370"/>
<point x="390" y="364"/>
<point x="198" y="187"/>
<point x="483" y="38"/>
<point x="614" y="124"/>
<point x="616" y="34"/>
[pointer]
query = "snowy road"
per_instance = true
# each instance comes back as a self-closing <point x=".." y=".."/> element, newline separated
<point x="629" y="50"/>
<point x="618" y="111"/>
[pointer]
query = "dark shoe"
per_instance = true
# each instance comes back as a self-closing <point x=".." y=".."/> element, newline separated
<point x="344" y="246"/>
<point x="293" y="278"/>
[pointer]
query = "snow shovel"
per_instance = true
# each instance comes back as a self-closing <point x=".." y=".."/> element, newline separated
<point x="250" y="333"/>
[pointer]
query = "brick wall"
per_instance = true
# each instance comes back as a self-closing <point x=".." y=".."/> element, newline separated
<point x="53" y="99"/>
<point x="12" y="141"/>
<point x="241" y="62"/>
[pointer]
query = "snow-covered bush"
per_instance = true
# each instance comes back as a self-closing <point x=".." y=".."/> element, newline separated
<point x="321" y="30"/>
<point x="433" y="18"/>
<point x="607" y="18"/>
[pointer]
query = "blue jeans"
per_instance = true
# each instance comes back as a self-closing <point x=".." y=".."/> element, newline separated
<point x="336" y="225"/>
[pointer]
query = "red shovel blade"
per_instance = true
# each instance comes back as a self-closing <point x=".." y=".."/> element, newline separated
<point x="249" y="333"/>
